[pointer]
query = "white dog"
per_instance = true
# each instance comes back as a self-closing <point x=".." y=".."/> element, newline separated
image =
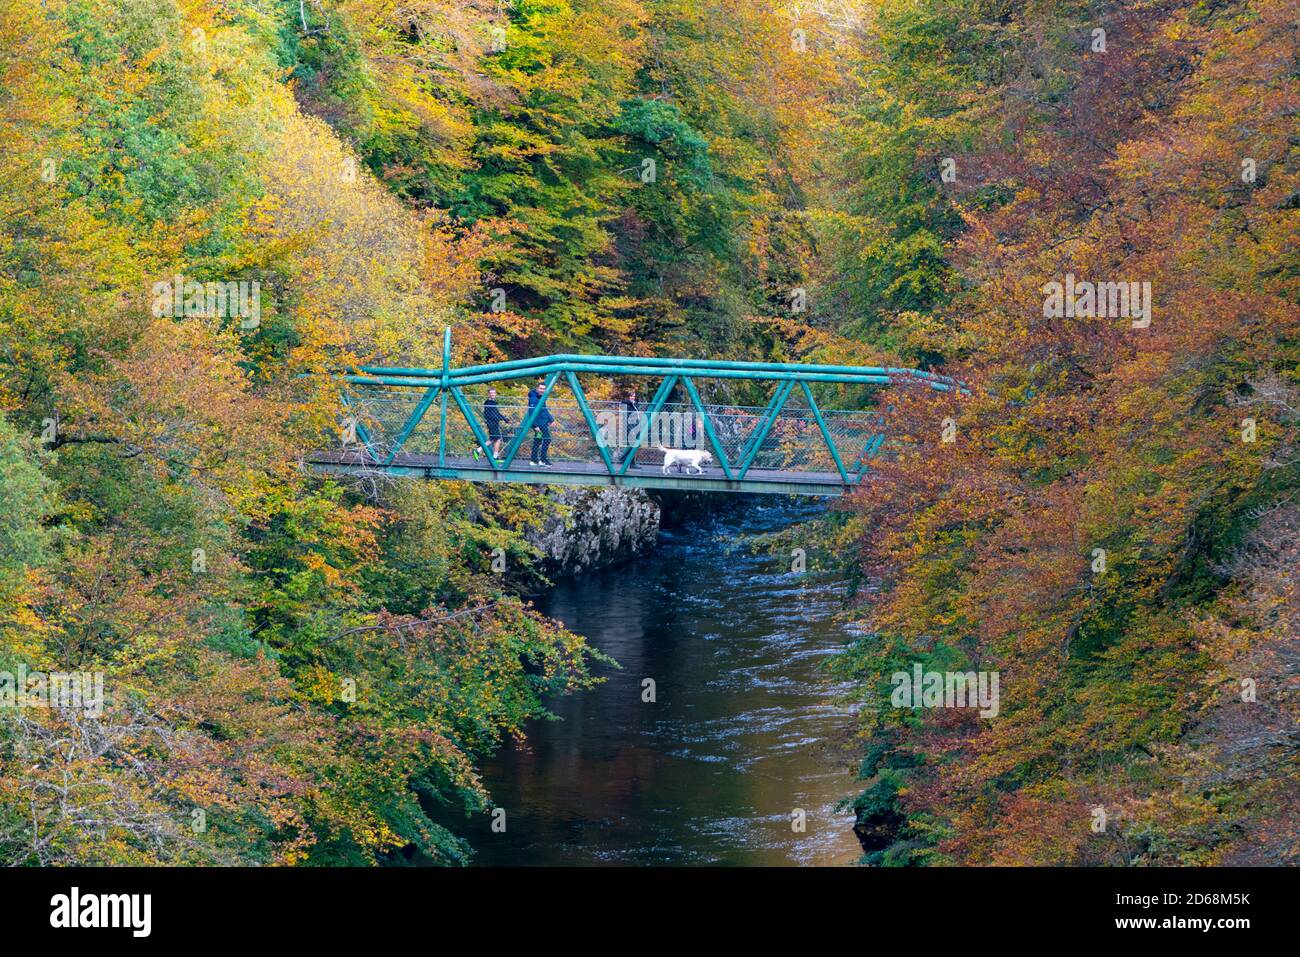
<point x="691" y="458"/>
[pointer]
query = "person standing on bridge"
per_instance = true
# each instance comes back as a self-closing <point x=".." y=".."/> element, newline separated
<point x="493" y="419"/>
<point x="541" y="427"/>
<point x="631" y="419"/>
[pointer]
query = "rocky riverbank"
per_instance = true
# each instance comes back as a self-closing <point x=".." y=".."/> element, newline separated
<point x="597" y="527"/>
<point x="600" y="527"/>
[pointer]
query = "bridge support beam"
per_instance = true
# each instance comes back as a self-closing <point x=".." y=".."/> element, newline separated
<point x="826" y="484"/>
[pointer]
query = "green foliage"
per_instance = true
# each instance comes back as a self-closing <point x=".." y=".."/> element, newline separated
<point x="331" y="663"/>
<point x="647" y="176"/>
<point x="545" y="160"/>
<point x="1105" y="533"/>
<point x="29" y="499"/>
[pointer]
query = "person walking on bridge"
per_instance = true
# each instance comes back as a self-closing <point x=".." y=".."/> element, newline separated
<point x="493" y="419"/>
<point x="631" y="420"/>
<point x="541" y="427"/>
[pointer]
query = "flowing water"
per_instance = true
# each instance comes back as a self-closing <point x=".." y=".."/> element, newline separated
<point x="746" y="726"/>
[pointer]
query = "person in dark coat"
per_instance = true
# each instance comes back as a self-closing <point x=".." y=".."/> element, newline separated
<point x="541" y="427"/>
<point x="493" y="419"/>
<point x="631" y="422"/>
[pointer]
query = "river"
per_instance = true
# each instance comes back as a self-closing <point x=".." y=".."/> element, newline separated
<point x="745" y="728"/>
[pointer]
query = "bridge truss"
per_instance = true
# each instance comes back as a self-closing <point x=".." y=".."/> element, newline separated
<point x="428" y="423"/>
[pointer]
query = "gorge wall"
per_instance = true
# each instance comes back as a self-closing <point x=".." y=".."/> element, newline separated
<point x="597" y="527"/>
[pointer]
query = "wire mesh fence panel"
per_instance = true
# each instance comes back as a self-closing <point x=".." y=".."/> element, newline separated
<point x="375" y="418"/>
<point x="790" y="441"/>
<point x="852" y="433"/>
<point x="795" y="443"/>
<point x="735" y="426"/>
<point x="559" y="433"/>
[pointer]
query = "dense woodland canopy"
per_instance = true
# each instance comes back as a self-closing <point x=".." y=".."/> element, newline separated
<point x="304" y="673"/>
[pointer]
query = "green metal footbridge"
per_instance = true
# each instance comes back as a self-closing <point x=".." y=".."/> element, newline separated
<point x="430" y="423"/>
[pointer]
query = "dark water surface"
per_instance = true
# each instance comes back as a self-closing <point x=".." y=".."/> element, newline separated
<point x="746" y="726"/>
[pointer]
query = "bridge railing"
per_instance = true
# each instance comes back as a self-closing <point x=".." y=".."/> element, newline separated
<point x="793" y="439"/>
<point x="400" y="414"/>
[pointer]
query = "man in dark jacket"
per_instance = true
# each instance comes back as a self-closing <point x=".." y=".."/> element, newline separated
<point x="631" y="421"/>
<point x="493" y="419"/>
<point x="541" y="427"/>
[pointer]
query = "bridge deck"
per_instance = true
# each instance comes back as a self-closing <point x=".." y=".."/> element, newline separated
<point x="649" y="475"/>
